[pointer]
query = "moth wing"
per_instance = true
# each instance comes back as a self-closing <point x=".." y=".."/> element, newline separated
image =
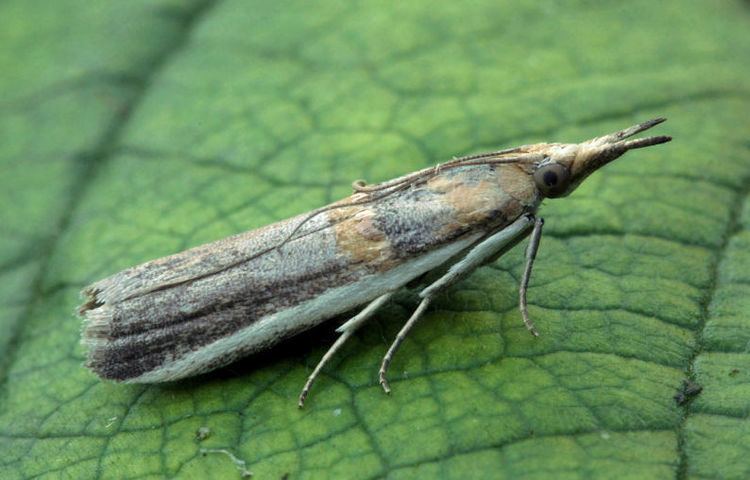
<point x="197" y="262"/>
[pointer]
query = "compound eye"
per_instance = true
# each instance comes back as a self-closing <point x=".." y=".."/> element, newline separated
<point x="552" y="179"/>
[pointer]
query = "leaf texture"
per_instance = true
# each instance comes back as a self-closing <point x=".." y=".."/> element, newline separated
<point x="132" y="130"/>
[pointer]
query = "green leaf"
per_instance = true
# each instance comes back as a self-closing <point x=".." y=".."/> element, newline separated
<point x="135" y="129"/>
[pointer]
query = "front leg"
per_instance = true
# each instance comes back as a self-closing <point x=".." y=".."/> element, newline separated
<point x="476" y="257"/>
<point x="536" y="236"/>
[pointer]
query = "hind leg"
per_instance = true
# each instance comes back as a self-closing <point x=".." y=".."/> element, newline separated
<point x="347" y="330"/>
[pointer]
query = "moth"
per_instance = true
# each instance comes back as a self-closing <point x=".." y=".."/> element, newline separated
<point x="204" y="308"/>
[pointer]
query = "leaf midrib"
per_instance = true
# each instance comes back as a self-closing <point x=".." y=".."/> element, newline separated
<point x="89" y="163"/>
<point x="733" y="227"/>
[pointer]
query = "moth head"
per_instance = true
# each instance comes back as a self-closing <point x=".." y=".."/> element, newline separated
<point x="565" y="166"/>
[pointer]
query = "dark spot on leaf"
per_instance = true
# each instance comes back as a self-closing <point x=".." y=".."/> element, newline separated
<point x="686" y="393"/>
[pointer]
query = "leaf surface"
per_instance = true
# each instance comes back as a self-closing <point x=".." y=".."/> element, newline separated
<point x="136" y="129"/>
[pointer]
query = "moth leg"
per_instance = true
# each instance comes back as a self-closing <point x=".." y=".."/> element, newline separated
<point x="477" y="256"/>
<point x="531" y="250"/>
<point x="347" y="330"/>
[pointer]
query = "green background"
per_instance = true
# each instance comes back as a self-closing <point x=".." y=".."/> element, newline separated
<point x="131" y="130"/>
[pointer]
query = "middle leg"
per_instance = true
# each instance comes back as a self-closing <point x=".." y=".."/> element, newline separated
<point x="476" y="257"/>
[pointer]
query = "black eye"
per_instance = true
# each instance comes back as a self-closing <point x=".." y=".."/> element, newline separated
<point x="552" y="179"/>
